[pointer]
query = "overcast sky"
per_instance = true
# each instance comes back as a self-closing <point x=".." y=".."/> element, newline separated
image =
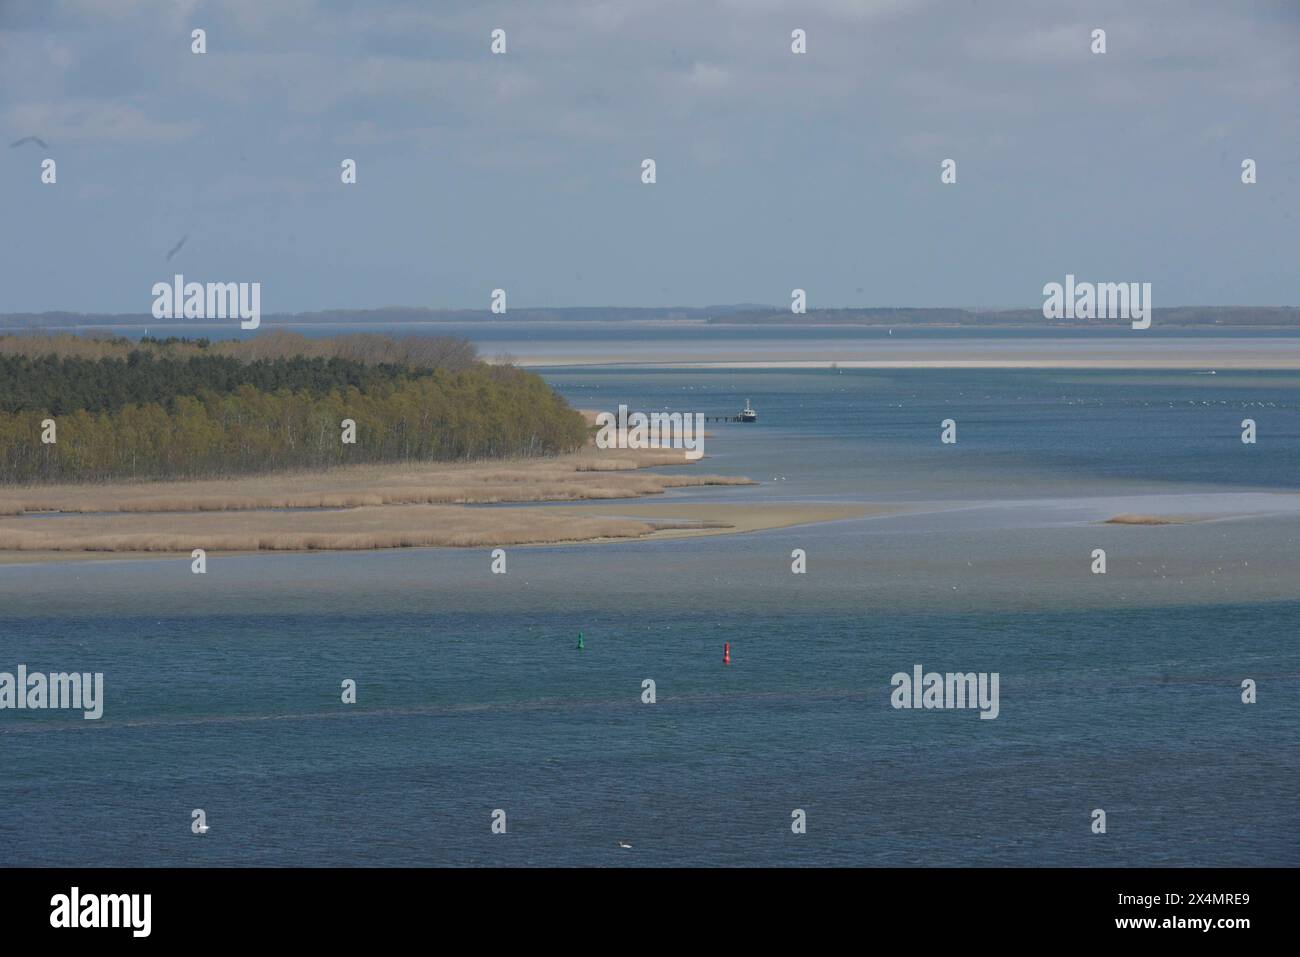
<point x="775" y="170"/>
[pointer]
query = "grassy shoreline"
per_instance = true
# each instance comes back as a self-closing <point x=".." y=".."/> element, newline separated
<point x="381" y="506"/>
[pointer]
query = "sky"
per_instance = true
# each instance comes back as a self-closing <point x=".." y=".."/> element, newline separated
<point x="522" y="170"/>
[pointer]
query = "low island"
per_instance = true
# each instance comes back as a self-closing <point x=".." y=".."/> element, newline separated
<point x="116" y="448"/>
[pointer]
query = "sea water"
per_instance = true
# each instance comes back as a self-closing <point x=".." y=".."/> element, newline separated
<point x="1119" y="692"/>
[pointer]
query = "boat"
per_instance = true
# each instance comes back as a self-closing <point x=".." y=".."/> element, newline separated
<point x="747" y="414"/>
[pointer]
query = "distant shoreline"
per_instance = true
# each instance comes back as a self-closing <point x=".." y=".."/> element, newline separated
<point x="741" y="314"/>
<point x="1270" y="363"/>
<point x="274" y="322"/>
<point x="1135" y="352"/>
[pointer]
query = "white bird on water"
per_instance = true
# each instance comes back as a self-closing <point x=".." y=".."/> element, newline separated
<point x="621" y="844"/>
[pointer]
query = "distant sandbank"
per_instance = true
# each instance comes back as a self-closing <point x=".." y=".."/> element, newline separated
<point x="1119" y="352"/>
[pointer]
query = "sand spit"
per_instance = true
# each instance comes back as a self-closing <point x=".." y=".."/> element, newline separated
<point x="960" y="352"/>
<point x="678" y="520"/>
<point x="365" y="527"/>
<point x="385" y="506"/>
<point x="375" y="527"/>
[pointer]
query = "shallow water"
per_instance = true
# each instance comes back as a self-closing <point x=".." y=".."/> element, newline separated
<point x="1118" y="691"/>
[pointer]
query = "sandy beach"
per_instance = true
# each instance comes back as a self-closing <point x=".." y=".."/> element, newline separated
<point x="589" y="474"/>
<point x="136" y="534"/>
<point x="383" y="506"/>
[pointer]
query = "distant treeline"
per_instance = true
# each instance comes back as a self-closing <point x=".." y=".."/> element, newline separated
<point x="423" y="352"/>
<point x="59" y="386"/>
<point x="734" y="313"/>
<point x="1174" y="316"/>
<point x="177" y="409"/>
<point x="391" y="315"/>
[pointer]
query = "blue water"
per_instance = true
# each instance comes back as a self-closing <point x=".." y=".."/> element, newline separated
<point x="1119" y="692"/>
<point x="872" y="434"/>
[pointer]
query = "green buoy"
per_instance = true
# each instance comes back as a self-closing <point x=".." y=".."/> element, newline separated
<point x="580" y="643"/>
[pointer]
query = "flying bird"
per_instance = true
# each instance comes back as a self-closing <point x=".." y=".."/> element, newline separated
<point x="30" y="139"/>
<point x="177" y="248"/>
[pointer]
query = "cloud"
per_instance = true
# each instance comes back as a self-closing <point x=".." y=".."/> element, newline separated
<point x="835" y="9"/>
<point x="90" y="121"/>
<point x="707" y="76"/>
<point x="709" y="88"/>
<point x="80" y="11"/>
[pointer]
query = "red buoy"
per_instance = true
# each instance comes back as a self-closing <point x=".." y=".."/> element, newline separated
<point x="726" y="653"/>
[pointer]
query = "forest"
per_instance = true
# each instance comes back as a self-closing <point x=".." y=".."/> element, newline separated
<point x="180" y="408"/>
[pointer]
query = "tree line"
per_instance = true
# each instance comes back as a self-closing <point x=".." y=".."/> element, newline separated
<point x="62" y="385"/>
<point x="415" y="352"/>
<point x="181" y="411"/>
